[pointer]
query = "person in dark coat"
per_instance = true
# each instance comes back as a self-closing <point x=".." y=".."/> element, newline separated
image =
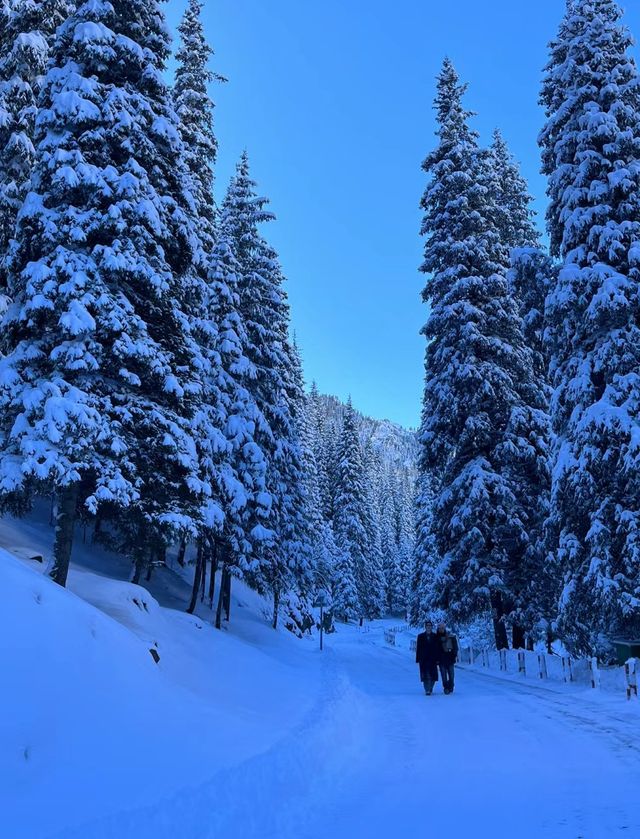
<point x="447" y="656"/>
<point x="427" y="649"/>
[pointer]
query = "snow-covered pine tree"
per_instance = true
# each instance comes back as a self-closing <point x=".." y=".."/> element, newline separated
<point x="26" y="34"/>
<point x="515" y="218"/>
<point x="591" y="154"/>
<point x="478" y="376"/>
<point x="373" y="584"/>
<point x="299" y="535"/>
<point x="243" y="468"/>
<point x="351" y="520"/>
<point x="530" y="277"/>
<point x="387" y="513"/>
<point x="406" y="538"/>
<point x="222" y="404"/>
<point x="322" y="545"/>
<point x="531" y="269"/>
<point x="551" y="98"/>
<point x="284" y="552"/>
<point x="98" y="383"/>
<point x="346" y="603"/>
<point x="421" y="601"/>
<point x="195" y="110"/>
<point x="316" y="422"/>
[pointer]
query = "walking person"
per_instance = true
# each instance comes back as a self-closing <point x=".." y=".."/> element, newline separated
<point x="447" y="656"/>
<point x="427" y="650"/>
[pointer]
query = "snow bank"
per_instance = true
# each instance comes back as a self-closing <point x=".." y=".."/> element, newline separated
<point x="91" y="726"/>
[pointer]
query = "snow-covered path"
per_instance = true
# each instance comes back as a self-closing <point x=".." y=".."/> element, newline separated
<point x="376" y="758"/>
<point x="495" y="759"/>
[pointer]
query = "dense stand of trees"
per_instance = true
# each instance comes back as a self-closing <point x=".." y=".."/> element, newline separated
<point x="529" y="501"/>
<point x="147" y="376"/>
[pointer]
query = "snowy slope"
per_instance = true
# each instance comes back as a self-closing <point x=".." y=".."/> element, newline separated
<point x="90" y="725"/>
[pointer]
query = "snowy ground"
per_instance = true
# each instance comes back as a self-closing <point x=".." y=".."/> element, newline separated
<point x="250" y="733"/>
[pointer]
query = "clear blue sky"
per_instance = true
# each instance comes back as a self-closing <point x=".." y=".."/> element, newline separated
<point x="333" y="102"/>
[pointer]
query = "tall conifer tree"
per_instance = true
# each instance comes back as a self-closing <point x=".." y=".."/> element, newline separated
<point x="515" y="215"/>
<point x="195" y="110"/>
<point x="591" y="154"/>
<point x="478" y="375"/>
<point x="350" y="519"/>
<point x="27" y="30"/>
<point x="99" y="379"/>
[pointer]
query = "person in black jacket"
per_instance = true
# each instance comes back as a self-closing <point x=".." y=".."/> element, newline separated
<point x="427" y="650"/>
<point x="447" y="656"/>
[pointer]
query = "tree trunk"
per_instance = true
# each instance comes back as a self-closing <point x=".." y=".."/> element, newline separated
<point x="227" y="594"/>
<point x="161" y="553"/>
<point x="203" y="587"/>
<point x="65" y="520"/>
<point x="138" y="565"/>
<point x="518" y="640"/>
<point x="182" y="551"/>
<point x="214" y="571"/>
<point x="97" y="527"/>
<point x="196" y="578"/>
<point x="500" y="630"/>
<point x="276" y="607"/>
<point x="220" y="598"/>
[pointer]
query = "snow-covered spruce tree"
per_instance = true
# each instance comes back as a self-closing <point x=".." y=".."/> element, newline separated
<point x="351" y="518"/>
<point x="195" y="110"/>
<point x="317" y="430"/>
<point x="531" y="269"/>
<point x="591" y="154"/>
<point x="373" y="584"/>
<point x="552" y="97"/>
<point x="387" y="513"/>
<point x="284" y="550"/>
<point x="421" y="599"/>
<point x="515" y="218"/>
<point x="479" y="381"/>
<point x="223" y="422"/>
<point x="244" y="466"/>
<point x="346" y="603"/>
<point x="531" y="275"/>
<point x="321" y="538"/>
<point x="300" y="535"/>
<point x="26" y="34"/>
<point x="397" y="537"/>
<point x="406" y="538"/>
<point x="528" y="279"/>
<point x="98" y="381"/>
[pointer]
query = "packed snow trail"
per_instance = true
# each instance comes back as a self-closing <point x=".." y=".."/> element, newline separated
<point x="495" y="759"/>
<point x="376" y="758"/>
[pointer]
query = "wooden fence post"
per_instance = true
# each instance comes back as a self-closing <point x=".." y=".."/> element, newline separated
<point x="521" y="664"/>
<point x="542" y="665"/>
<point x="630" y="671"/>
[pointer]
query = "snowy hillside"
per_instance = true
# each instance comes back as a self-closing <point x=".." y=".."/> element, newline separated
<point x="396" y="446"/>
<point x="92" y="725"/>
